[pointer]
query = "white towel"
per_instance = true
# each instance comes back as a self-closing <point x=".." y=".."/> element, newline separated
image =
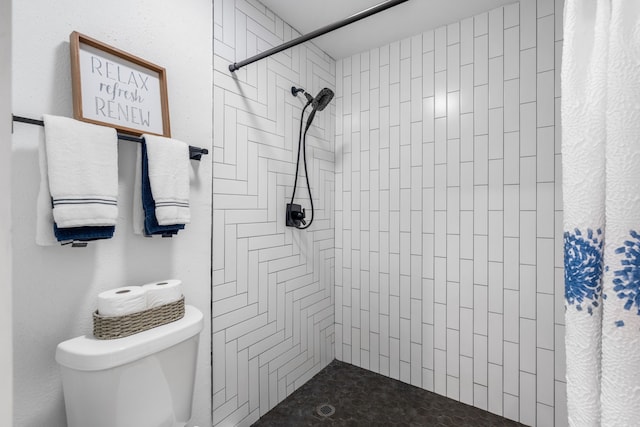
<point x="169" y="179"/>
<point x="138" y="209"/>
<point x="83" y="172"/>
<point x="44" y="212"/>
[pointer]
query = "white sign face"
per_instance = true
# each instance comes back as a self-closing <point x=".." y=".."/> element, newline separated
<point x="119" y="92"/>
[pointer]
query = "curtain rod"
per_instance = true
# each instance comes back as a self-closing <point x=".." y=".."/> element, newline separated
<point x="320" y="31"/>
<point x="195" y="153"/>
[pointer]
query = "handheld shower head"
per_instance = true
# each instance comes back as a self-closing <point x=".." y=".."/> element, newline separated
<point x="322" y="99"/>
<point x="319" y="103"/>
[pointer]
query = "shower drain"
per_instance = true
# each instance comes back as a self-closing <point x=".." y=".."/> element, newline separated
<point x="325" y="410"/>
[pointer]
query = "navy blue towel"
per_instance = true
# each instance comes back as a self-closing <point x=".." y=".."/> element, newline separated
<point x="84" y="234"/>
<point x="151" y="226"/>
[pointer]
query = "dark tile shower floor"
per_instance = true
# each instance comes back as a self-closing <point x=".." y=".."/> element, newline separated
<point x="364" y="398"/>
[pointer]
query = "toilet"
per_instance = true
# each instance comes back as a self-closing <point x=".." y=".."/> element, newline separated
<point x="143" y="380"/>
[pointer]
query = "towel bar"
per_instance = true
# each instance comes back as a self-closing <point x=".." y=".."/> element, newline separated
<point x="195" y="153"/>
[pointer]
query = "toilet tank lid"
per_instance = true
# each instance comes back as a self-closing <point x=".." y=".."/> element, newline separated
<point x="86" y="353"/>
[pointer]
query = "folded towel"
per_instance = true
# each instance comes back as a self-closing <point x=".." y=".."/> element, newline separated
<point x="83" y="234"/>
<point x="44" y="211"/>
<point x="168" y="161"/>
<point x="47" y="232"/>
<point x="83" y="172"/>
<point x="138" y="211"/>
<point x="147" y="224"/>
<point x="144" y="206"/>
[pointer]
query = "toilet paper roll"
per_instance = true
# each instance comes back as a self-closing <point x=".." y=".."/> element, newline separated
<point x="163" y="292"/>
<point x="122" y="301"/>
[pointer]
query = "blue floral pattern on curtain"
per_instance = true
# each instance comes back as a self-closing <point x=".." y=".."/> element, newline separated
<point x="583" y="269"/>
<point x="627" y="280"/>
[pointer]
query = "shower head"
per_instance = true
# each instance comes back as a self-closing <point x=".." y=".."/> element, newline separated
<point x="318" y="103"/>
<point x="322" y="99"/>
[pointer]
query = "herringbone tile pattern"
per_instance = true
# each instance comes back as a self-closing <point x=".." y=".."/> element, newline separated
<point x="273" y="305"/>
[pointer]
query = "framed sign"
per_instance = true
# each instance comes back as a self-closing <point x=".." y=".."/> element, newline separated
<point x="116" y="89"/>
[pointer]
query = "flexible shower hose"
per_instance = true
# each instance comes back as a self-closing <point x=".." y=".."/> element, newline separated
<point x="302" y="142"/>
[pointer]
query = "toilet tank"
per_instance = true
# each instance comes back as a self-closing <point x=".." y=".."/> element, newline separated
<point x="143" y="380"/>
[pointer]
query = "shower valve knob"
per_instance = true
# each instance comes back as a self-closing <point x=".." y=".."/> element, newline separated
<point x="298" y="216"/>
<point x="295" y="215"/>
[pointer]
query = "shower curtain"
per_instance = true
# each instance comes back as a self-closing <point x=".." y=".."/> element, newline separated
<point x="601" y="191"/>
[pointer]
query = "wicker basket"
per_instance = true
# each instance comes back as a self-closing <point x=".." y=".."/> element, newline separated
<point x="111" y="327"/>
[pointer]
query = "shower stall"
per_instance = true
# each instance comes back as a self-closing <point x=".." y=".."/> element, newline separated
<point x="435" y="255"/>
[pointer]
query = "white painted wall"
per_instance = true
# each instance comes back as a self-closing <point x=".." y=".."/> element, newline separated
<point x="6" y="344"/>
<point x="448" y="212"/>
<point x="273" y="285"/>
<point x="55" y="288"/>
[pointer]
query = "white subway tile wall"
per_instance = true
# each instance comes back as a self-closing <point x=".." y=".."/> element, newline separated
<point x="464" y="204"/>
<point x="273" y="286"/>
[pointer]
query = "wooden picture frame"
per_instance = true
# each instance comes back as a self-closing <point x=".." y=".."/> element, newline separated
<point x="116" y="89"/>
